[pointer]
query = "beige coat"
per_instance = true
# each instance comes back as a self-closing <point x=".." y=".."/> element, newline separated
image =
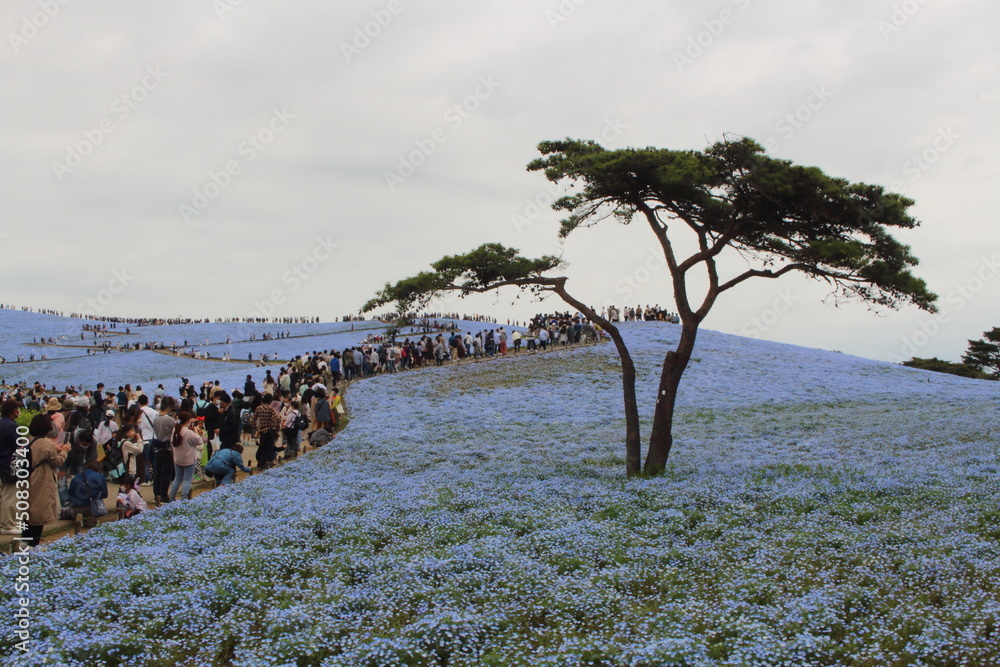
<point x="43" y="495"/>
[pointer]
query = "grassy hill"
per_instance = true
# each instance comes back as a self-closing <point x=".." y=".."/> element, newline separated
<point x="819" y="509"/>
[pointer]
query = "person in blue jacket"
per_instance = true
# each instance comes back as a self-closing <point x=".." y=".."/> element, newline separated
<point x="225" y="462"/>
<point x="87" y="486"/>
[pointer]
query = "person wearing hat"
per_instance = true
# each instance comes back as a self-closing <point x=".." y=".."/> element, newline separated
<point x="105" y="431"/>
<point x="53" y="407"/>
<point x="43" y="490"/>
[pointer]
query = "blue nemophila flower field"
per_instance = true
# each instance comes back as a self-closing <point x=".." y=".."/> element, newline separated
<point x="67" y="362"/>
<point x="819" y="509"/>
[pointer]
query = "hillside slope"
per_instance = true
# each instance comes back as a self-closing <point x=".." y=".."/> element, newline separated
<point x="818" y="509"/>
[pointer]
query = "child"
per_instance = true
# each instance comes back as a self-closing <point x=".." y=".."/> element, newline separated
<point x="129" y="498"/>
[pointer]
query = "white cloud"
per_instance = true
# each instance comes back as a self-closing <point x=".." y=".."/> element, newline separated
<point x="324" y="174"/>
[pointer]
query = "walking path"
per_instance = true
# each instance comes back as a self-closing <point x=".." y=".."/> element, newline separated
<point x="58" y="529"/>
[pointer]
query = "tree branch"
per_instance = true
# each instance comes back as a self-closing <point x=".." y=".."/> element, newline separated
<point x="757" y="273"/>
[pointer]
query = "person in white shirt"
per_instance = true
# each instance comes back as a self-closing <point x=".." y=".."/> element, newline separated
<point x="145" y="476"/>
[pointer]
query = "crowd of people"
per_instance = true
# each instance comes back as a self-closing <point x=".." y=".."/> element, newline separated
<point x="422" y="319"/>
<point x="81" y="439"/>
<point x="391" y="356"/>
<point x="111" y="321"/>
<point x="77" y="442"/>
<point x="22" y="360"/>
<point x="638" y="314"/>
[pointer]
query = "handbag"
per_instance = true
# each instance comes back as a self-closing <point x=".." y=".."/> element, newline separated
<point x="97" y="507"/>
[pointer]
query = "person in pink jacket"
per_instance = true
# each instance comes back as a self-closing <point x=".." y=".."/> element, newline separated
<point x="188" y="441"/>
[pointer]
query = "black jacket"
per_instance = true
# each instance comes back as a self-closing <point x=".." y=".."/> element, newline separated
<point x="8" y="444"/>
<point x="230" y="426"/>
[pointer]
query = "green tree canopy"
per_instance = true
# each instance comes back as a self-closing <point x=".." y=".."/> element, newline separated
<point x="940" y="366"/>
<point x="777" y="216"/>
<point x="984" y="354"/>
<point x="732" y="196"/>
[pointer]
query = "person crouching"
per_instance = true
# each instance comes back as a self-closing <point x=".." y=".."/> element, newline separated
<point x="129" y="499"/>
<point x="224" y="464"/>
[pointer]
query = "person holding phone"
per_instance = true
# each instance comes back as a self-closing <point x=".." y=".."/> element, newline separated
<point x="188" y="441"/>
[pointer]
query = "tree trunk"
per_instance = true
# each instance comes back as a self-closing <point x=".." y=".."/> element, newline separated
<point x="633" y="449"/>
<point x="661" y="437"/>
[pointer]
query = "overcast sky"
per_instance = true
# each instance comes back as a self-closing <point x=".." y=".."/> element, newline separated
<point x="230" y="157"/>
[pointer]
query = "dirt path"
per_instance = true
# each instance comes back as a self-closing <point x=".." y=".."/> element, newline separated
<point x="60" y="529"/>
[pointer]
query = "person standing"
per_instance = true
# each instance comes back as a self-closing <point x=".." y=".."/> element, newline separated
<point x="291" y="430"/>
<point x="147" y="433"/>
<point x="9" y="412"/>
<point x="163" y="457"/>
<point x="322" y="410"/>
<point x="43" y="490"/>
<point x="335" y="372"/>
<point x="53" y="408"/>
<point x="188" y="441"/>
<point x="267" y="424"/>
<point x="230" y="424"/>
<point x="131" y="446"/>
<point x="213" y="421"/>
<point x="121" y="399"/>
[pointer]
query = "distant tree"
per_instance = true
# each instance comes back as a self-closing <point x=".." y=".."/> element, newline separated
<point x="984" y="354"/>
<point x="939" y="366"/>
<point x="776" y="216"/>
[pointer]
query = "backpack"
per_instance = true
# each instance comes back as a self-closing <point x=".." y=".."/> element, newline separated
<point x="301" y="422"/>
<point x="79" y="422"/>
<point x="246" y="416"/>
<point x="114" y="463"/>
<point x="201" y="408"/>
